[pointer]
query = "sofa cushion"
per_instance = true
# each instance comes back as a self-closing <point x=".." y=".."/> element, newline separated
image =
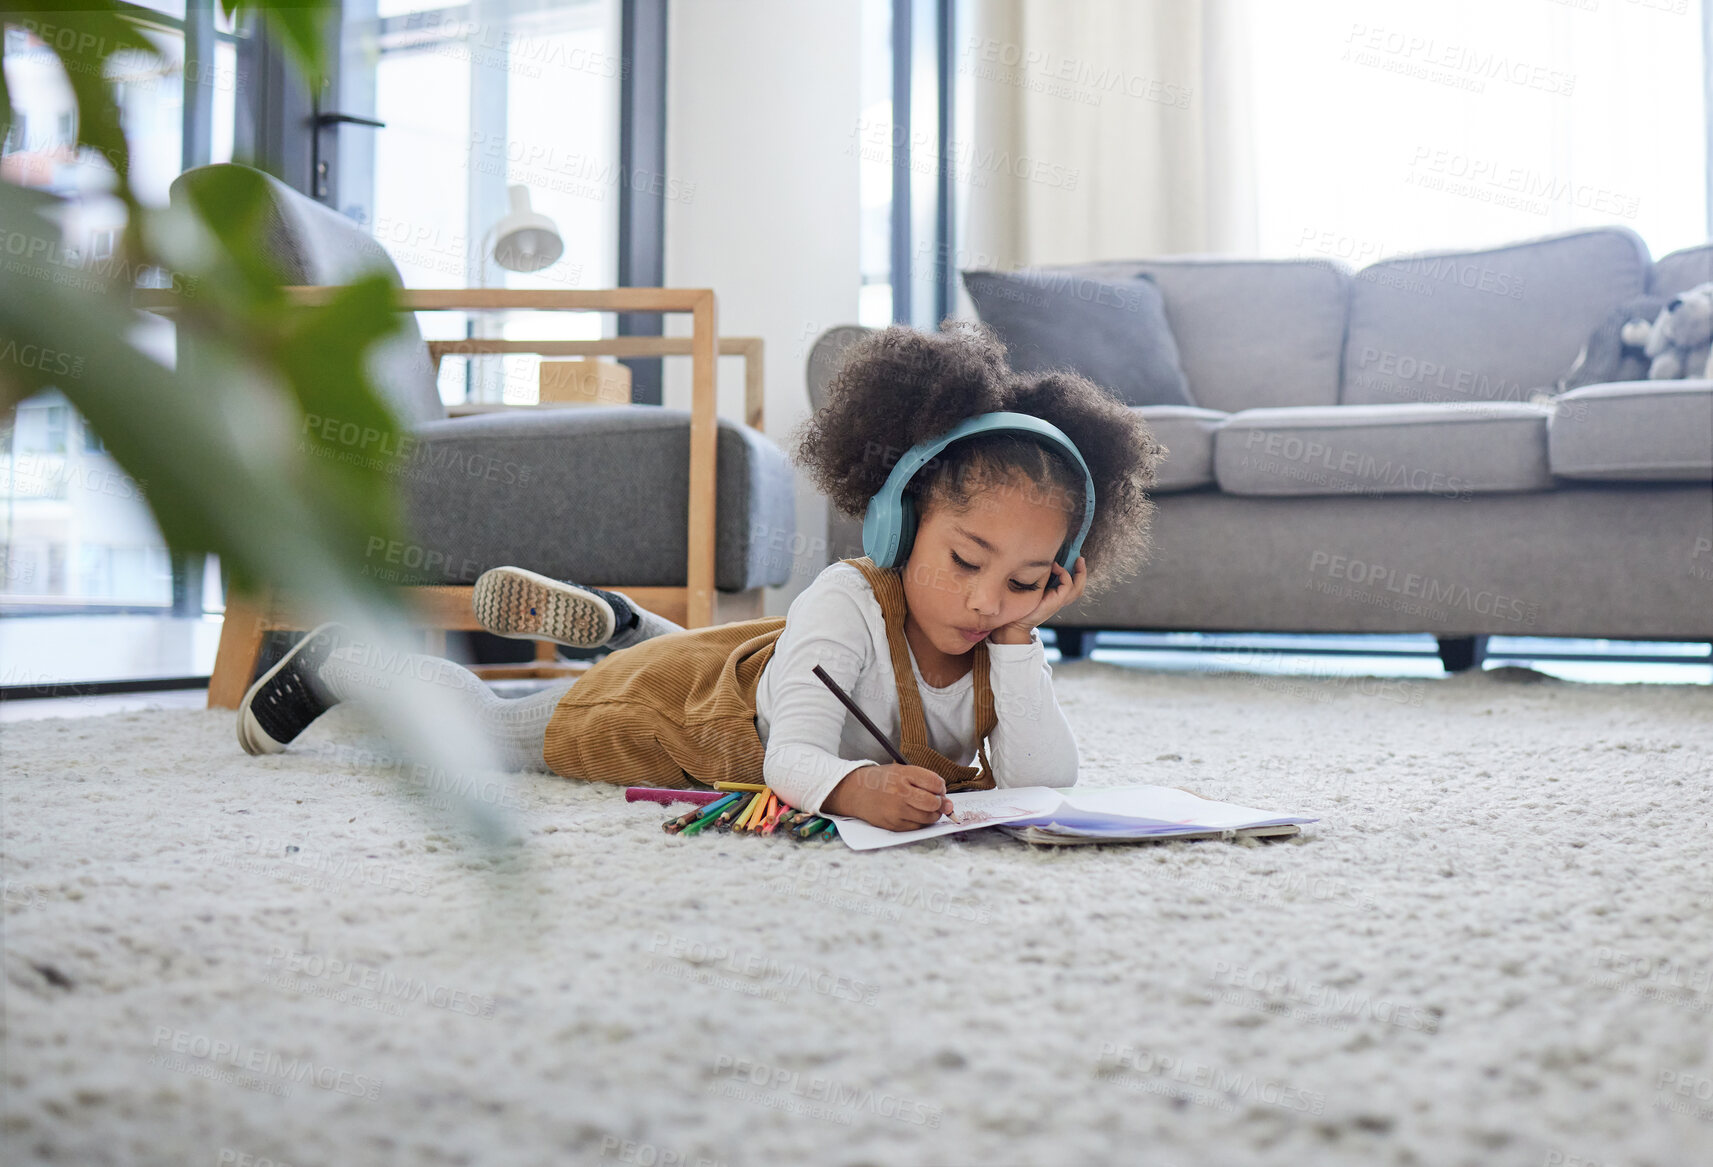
<point x="1499" y="323"/>
<point x="1113" y="332"/>
<point x="1250" y="332"/>
<point x="306" y="243"/>
<point x="1649" y="431"/>
<point x="1187" y="434"/>
<point x="591" y="493"/>
<point x="1445" y="449"/>
<point x="1681" y="270"/>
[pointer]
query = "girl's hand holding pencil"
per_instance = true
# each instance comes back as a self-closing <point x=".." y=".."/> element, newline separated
<point x="895" y="797"/>
<point x="899" y="797"/>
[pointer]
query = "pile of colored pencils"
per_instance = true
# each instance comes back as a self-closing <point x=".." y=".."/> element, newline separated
<point x="737" y="806"/>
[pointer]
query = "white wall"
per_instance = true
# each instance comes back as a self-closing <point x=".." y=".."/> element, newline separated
<point x="762" y="104"/>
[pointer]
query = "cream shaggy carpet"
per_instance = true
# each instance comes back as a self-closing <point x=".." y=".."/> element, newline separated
<point x="1496" y="948"/>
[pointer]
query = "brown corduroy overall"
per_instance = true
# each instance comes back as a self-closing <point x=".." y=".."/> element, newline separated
<point x="679" y="710"/>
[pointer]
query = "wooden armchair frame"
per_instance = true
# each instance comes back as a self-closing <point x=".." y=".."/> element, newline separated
<point x="443" y="608"/>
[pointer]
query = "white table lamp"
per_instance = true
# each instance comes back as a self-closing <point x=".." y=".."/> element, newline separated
<point x="524" y="240"/>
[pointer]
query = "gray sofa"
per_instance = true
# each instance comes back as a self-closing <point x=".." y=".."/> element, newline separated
<point x="1370" y="451"/>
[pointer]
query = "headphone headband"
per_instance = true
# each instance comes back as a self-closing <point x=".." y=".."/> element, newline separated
<point x="889" y="524"/>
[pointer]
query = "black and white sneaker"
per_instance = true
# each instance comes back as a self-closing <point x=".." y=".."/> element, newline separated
<point x="522" y="605"/>
<point x="286" y="698"/>
<point x="510" y="601"/>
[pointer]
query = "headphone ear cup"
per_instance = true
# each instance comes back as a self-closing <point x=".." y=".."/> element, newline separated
<point x="872" y="536"/>
<point x="906" y="530"/>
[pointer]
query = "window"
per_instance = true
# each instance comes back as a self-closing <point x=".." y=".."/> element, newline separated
<point x="42" y="428"/>
<point x="1430" y="126"/>
<point x="873" y="139"/>
<point x="489" y="96"/>
<point x="79" y="534"/>
<point x="906" y="162"/>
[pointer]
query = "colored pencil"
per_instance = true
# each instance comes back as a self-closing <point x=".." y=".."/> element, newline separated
<point x="764" y="811"/>
<point x="712" y="810"/>
<point x="673" y="825"/>
<point x="751" y="787"/>
<point x="666" y="795"/>
<point x="761" y="810"/>
<point x="696" y="827"/>
<point x="708" y="815"/>
<point x="744" y="815"/>
<point x="715" y="809"/>
<point x="752" y="812"/>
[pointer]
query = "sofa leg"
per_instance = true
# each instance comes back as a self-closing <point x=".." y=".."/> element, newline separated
<point x="1074" y="643"/>
<point x="1461" y="653"/>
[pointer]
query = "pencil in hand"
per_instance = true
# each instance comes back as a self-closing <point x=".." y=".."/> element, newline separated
<point x="885" y="742"/>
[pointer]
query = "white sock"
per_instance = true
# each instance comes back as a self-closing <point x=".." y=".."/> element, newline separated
<point x="516" y="728"/>
<point x="647" y="626"/>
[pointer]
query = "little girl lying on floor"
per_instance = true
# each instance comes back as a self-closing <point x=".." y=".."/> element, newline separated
<point x="932" y="632"/>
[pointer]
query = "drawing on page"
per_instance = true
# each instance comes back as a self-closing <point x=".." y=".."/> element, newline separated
<point x="985" y="814"/>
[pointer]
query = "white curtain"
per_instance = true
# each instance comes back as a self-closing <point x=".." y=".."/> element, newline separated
<point x="1104" y="129"/>
<point x="1116" y="129"/>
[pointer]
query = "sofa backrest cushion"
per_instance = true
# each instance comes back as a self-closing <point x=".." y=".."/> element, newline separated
<point x="1113" y="332"/>
<point x="1682" y="270"/>
<point x="1489" y="325"/>
<point x="1250" y="332"/>
<point x="312" y="245"/>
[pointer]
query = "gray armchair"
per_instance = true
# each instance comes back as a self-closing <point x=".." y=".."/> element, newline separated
<point x="677" y="508"/>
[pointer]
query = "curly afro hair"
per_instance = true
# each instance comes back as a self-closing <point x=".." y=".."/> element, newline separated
<point x="899" y="386"/>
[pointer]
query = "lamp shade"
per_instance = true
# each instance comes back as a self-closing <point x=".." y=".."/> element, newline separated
<point x="523" y="239"/>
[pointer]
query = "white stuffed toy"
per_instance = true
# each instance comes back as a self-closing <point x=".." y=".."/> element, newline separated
<point x="1679" y="342"/>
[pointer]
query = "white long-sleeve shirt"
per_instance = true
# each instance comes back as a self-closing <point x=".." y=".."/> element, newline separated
<point x="813" y="741"/>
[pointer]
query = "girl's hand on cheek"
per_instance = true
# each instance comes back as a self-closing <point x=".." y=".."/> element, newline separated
<point x="1070" y="590"/>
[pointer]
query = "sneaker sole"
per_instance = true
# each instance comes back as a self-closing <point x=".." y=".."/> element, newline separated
<point x="522" y="605"/>
<point x="251" y="735"/>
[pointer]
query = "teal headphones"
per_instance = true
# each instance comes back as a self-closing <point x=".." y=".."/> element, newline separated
<point x="889" y="524"/>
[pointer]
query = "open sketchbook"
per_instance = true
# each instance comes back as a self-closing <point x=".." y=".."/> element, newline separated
<point x="1048" y="814"/>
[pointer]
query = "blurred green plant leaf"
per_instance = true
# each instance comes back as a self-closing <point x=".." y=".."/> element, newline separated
<point x="224" y="435"/>
<point x="224" y="445"/>
<point x="217" y="456"/>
